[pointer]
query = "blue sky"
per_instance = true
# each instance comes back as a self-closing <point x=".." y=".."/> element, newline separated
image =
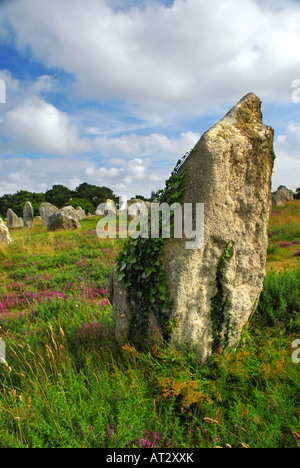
<point x="114" y="92"/>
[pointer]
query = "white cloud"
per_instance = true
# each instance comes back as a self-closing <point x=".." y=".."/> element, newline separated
<point x="29" y="124"/>
<point x="156" y="144"/>
<point x="38" y="126"/>
<point x="165" y="65"/>
<point x="140" y="171"/>
<point x="132" y="177"/>
<point x="290" y="143"/>
<point x="195" y="56"/>
<point x="44" y="172"/>
<point x="43" y="83"/>
<point x="287" y="162"/>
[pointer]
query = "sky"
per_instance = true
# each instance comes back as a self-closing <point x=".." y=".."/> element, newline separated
<point x="114" y="92"/>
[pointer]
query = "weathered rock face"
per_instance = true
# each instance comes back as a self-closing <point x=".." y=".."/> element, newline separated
<point x="136" y="206"/>
<point x="109" y="206"/>
<point x="13" y="221"/>
<point x="64" y="219"/>
<point x="46" y="210"/>
<point x="281" y="196"/>
<point x="230" y="172"/>
<point x="28" y="215"/>
<point x="216" y="288"/>
<point x="5" y="238"/>
<point x="80" y="213"/>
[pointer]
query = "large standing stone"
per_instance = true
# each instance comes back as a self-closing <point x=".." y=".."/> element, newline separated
<point x="28" y="215"/>
<point x="13" y="221"/>
<point x="46" y="210"/>
<point x="5" y="238"/>
<point x="217" y="287"/>
<point x="64" y="219"/>
<point x="281" y="196"/>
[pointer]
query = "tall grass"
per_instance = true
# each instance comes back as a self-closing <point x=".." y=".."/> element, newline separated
<point x="67" y="383"/>
<point x="284" y="236"/>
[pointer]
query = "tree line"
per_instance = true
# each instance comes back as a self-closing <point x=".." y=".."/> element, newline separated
<point x="85" y="195"/>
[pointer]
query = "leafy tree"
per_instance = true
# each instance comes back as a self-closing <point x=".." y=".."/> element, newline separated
<point x="141" y="197"/>
<point x="59" y="195"/>
<point x="297" y="194"/>
<point x="5" y="203"/>
<point x="94" y="194"/>
<point x="83" y="203"/>
<point x="154" y="195"/>
<point x="17" y="201"/>
<point x="86" y="195"/>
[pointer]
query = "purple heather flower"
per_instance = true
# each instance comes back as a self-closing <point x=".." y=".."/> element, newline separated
<point x="286" y="244"/>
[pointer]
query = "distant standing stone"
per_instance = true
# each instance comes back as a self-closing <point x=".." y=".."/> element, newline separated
<point x="81" y="213"/>
<point x="13" y="221"/>
<point x="46" y="210"/>
<point x="281" y="196"/>
<point x="108" y="206"/>
<point x="136" y="206"/>
<point x="5" y="238"/>
<point x="28" y="215"/>
<point x="65" y="219"/>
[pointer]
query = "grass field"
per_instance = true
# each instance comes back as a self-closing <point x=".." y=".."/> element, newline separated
<point x="68" y="384"/>
<point x="284" y="236"/>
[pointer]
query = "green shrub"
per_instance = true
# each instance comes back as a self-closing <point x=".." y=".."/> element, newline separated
<point x="83" y="203"/>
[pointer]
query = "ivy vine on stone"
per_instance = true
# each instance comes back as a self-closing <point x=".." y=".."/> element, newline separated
<point x="140" y="266"/>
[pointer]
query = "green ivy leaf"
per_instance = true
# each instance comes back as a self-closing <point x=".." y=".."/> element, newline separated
<point x="152" y="299"/>
<point x="131" y="259"/>
<point x="121" y="275"/>
<point x="141" y="265"/>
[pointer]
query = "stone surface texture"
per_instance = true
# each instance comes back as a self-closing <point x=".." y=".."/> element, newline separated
<point x="80" y="213"/>
<point x="109" y="206"/>
<point x="229" y="171"/>
<point x="137" y="206"/>
<point x="281" y="196"/>
<point x="13" y="221"/>
<point x="46" y="210"/>
<point x="64" y="219"/>
<point x="5" y="238"/>
<point x="28" y="215"/>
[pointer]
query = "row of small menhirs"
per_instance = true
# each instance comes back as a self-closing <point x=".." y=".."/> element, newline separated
<point x="46" y="210"/>
<point x="279" y="198"/>
<point x="66" y="218"/>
